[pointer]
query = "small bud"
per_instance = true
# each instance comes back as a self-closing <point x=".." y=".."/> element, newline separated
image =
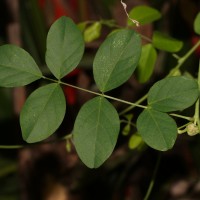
<point x="192" y="129"/>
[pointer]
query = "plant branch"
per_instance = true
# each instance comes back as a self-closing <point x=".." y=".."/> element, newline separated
<point x="153" y="178"/>
<point x="96" y="93"/>
<point x="183" y="117"/>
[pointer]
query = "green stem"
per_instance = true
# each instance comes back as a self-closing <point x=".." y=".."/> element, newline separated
<point x="11" y="146"/>
<point x="183" y="59"/>
<point x="196" y="114"/>
<point x="153" y="178"/>
<point x="133" y="106"/>
<point x="181" y="116"/>
<point x="96" y="93"/>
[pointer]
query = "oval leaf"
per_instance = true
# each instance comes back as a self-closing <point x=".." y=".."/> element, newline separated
<point x="173" y="93"/>
<point x="17" y="67"/>
<point x="197" y="24"/>
<point x="92" y="32"/>
<point x="116" y="59"/>
<point x="166" y="43"/>
<point x="147" y="62"/>
<point x="42" y="113"/>
<point x="144" y="15"/>
<point x="157" y="129"/>
<point x="65" y="47"/>
<point x="135" y="141"/>
<point x="96" y="131"/>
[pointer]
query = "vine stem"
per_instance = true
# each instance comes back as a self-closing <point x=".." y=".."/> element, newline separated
<point x="183" y="117"/>
<point x="96" y="93"/>
<point x="152" y="182"/>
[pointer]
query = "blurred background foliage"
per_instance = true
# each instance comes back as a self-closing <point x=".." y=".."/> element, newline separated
<point x="46" y="171"/>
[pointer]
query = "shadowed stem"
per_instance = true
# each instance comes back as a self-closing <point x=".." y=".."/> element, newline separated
<point x="153" y="177"/>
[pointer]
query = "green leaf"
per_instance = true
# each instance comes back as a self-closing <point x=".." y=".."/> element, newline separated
<point x="65" y="47"/>
<point x="166" y="43"/>
<point x="147" y="62"/>
<point x="197" y="24"/>
<point x="96" y="131"/>
<point x="173" y="93"/>
<point x="42" y="113"/>
<point x="116" y="59"/>
<point x="144" y="15"/>
<point x="92" y="32"/>
<point x="135" y="141"/>
<point x="157" y="129"/>
<point x="17" y="67"/>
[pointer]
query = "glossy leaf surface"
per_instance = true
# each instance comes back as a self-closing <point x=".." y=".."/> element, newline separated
<point x="157" y="129"/>
<point x="147" y="62"/>
<point x="144" y="15"/>
<point x="116" y="59"/>
<point x="173" y="93"/>
<point x="166" y="43"/>
<point x="96" y="131"/>
<point x="17" y="67"/>
<point x="42" y="113"/>
<point x="65" y="47"/>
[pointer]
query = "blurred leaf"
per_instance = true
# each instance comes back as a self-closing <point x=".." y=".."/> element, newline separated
<point x="144" y="15"/>
<point x="92" y="32"/>
<point x="157" y="129"/>
<point x="65" y="47"/>
<point x="82" y="26"/>
<point x="135" y="141"/>
<point x="116" y="59"/>
<point x="147" y="63"/>
<point x="17" y="67"/>
<point x="42" y="113"/>
<point x="197" y="24"/>
<point x="126" y="129"/>
<point x="96" y="131"/>
<point x="173" y="93"/>
<point x="166" y="43"/>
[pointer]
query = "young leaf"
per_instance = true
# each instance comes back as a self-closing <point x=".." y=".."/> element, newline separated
<point x="173" y="93"/>
<point x="92" y="32"/>
<point x="157" y="129"/>
<point x="42" y="113"/>
<point x="95" y="131"/>
<point x="116" y="59"/>
<point x="17" y="67"/>
<point x="197" y="24"/>
<point x="146" y="63"/>
<point x="65" y="47"/>
<point x="166" y="43"/>
<point x="135" y="141"/>
<point x="144" y="15"/>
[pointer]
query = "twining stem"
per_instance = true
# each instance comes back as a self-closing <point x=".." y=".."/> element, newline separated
<point x="153" y="177"/>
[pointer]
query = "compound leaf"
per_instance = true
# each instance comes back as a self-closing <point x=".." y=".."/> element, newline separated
<point x="42" y="113"/>
<point x="17" y="67"/>
<point x="144" y="15"/>
<point x="146" y="63"/>
<point x="173" y="93"/>
<point x="116" y="59"/>
<point x="166" y="43"/>
<point x="65" y="47"/>
<point x="96" y="131"/>
<point x="157" y="129"/>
